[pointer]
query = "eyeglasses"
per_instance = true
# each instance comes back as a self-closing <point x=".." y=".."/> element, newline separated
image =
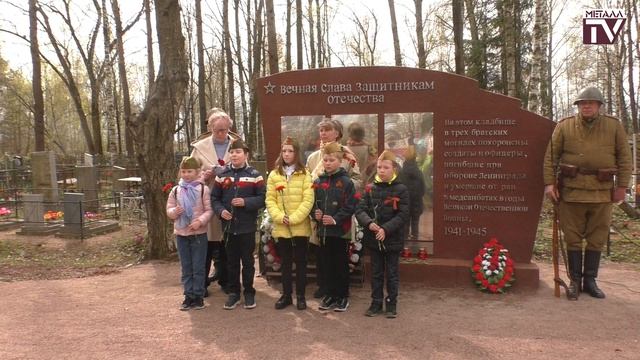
<point x="220" y="130"/>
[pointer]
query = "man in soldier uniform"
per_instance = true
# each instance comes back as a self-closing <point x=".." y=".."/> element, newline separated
<point x="590" y="155"/>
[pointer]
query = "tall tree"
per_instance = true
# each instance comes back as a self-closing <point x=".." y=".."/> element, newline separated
<point x="537" y="83"/>
<point x="124" y="82"/>
<point x="476" y="68"/>
<point x="241" y="70"/>
<point x="252" y="133"/>
<point x="109" y="91"/>
<point x="632" y="90"/>
<point x="231" y="106"/>
<point x="153" y="129"/>
<point x="422" y="57"/>
<point x="287" y="57"/>
<point x="319" y="35"/>
<point x="509" y="49"/>
<point x="458" y="29"/>
<point x="202" y="97"/>
<point x="299" y="60"/>
<point x="394" y="32"/>
<point x="36" y="77"/>
<point x="150" y="63"/>
<point x="272" y="37"/>
<point x="312" y="40"/>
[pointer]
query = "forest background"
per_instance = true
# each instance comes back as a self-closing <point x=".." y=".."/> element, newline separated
<point x="133" y="75"/>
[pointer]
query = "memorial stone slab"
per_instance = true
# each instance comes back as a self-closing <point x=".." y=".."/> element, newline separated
<point x="88" y="184"/>
<point x="480" y="153"/>
<point x="43" y="167"/>
<point x="73" y="212"/>
<point x="88" y="159"/>
<point x="118" y="172"/>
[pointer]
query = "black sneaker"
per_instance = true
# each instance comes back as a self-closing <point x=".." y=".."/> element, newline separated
<point x="374" y="309"/>
<point x="283" y="302"/>
<point x="319" y="294"/>
<point x="186" y="304"/>
<point x="249" y="301"/>
<point x="391" y="311"/>
<point x="206" y="292"/>
<point x="197" y="304"/>
<point x="232" y="301"/>
<point x="301" y="303"/>
<point x="342" y="304"/>
<point x="327" y="303"/>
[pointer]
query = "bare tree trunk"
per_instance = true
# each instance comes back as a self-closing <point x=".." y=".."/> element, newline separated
<point x="326" y="35"/>
<point x="422" y="57"/>
<point x="394" y="32"/>
<point x="507" y="29"/>
<point x="458" y="29"/>
<point x="36" y="77"/>
<point x="241" y="71"/>
<point x="202" y="97"/>
<point x="539" y="56"/>
<point x="108" y="111"/>
<point x="299" y="60"/>
<point x="312" y="45"/>
<point x="319" y="35"/>
<point x="475" y="69"/>
<point x="124" y="83"/>
<point x="257" y="55"/>
<point x="150" y="63"/>
<point x="153" y="128"/>
<point x="66" y="75"/>
<point x="231" y="110"/>
<point x="632" y="91"/>
<point x="272" y="38"/>
<point x="288" y="37"/>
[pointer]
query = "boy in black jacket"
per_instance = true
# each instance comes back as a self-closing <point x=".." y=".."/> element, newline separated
<point x="382" y="212"/>
<point x="238" y="194"/>
<point x="333" y="207"/>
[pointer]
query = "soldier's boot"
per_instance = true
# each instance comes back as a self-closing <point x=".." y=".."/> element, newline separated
<point x="574" y="258"/>
<point x="591" y="265"/>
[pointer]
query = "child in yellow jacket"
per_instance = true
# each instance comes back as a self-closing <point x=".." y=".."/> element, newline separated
<point x="289" y="200"/>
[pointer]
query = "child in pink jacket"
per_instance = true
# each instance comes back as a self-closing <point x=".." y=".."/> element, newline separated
<point x="189" y="206"/>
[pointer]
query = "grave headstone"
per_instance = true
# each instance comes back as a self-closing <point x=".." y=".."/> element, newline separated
<point x="34" y="222"/>
<point x="118" y="172"/>
<point x="73" y="212"/>
<point x="43" y="167"/>
<point x="88" y="159"/>
<point x="88" y="184"/>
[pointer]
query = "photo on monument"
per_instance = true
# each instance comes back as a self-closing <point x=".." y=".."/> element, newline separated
<point x="305" y="130"/>
<point x="410" y="137"/>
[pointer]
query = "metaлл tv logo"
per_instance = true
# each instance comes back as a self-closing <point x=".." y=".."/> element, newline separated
<point x="602" y="26"/>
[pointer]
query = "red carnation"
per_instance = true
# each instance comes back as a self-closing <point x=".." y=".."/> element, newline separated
<point x="509" y="262"/>
<point x="280" y="188"/>
<point x="357" y="196"/>
<point x="477" y="259"/>
<point x="476" y="267"/>
<point x="493" y="288"/>
<point x="368" y="188"/>
<point x="485" y="282"/>
<point x="324" y="185"/>
<point x="507" y="276"/>
<point x="501" y="283"/>
<point x="479" y="276"/>
<point x="314" y="186"/>
<point x="221" y="162"/>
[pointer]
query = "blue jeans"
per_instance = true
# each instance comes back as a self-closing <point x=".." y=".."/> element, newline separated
<point x="193" y="253"/>
<point x="384" y="263"/>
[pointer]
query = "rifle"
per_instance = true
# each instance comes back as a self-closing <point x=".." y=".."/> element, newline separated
<point x="555" y="239"/>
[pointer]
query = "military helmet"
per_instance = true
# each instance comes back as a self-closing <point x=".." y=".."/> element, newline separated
<point x="590" y="93"/>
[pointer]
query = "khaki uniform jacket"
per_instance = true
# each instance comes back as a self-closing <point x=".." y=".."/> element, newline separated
<point x="599" y="146"/>
<point x="204" y="151"/>
<point x="296" y="198"/>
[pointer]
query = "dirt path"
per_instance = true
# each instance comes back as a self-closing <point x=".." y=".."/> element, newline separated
<point x="133" y="315"/>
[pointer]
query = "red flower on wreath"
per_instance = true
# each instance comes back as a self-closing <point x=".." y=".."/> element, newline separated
<point x="493" y="268"/>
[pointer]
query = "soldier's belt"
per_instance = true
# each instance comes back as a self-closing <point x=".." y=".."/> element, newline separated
<point x="572" y="171"/>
